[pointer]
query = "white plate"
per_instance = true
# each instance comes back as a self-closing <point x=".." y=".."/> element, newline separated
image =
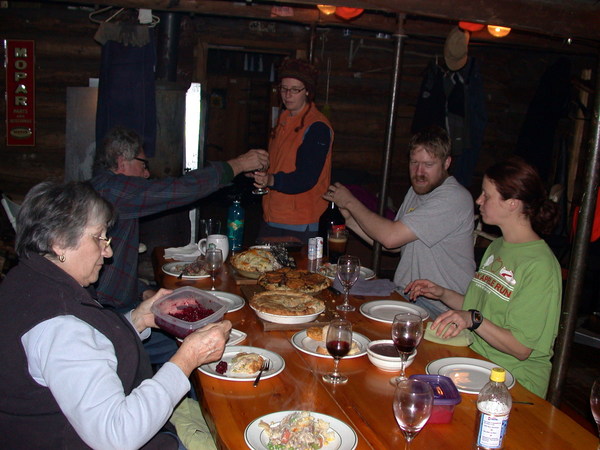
<point x="307" y="345"/>
<point x="277" y="364"/>
<point x="175" y="268"/>
<point x="235" y="337"/>
<point x="345" y="437"/>
<point x="469" y="374"/>
<point x="275" y="318"/>
<point x="385" y="310"/>
<point x="365" y="272"/>
<point x="236" y="301"/>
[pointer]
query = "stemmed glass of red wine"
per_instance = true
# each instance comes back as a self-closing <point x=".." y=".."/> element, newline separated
<point x="407" y="331"/>
<point x="338" y="341"/>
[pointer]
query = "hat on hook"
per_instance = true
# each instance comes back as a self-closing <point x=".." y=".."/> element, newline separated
<point x="302" y="70"/>
<point x="456" y="49"/>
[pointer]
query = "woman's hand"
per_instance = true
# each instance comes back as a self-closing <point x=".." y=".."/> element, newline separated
<point x="451" y="323"/>
<point x="142" y="317"/>
<point x="262" y="179"/>
<point x="424" y="288"/>
<point x="202" y="346"/>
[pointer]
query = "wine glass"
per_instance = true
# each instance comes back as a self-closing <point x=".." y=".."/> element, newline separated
<point x="595" y="403"/>
<point x="348" y="270"/>
<point x="407" y="331"/>
<point x="261" y="190"/>
<point x="338" y="341"/>
<point x="214" y="261"/>
<point x="413" y="401"/>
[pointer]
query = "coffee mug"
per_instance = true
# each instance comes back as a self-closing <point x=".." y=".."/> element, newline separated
<point x="218" y="240"/>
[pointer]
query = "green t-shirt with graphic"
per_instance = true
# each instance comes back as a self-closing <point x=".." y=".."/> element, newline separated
<point x="519" y="287"/>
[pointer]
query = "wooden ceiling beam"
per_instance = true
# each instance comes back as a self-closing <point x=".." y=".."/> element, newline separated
<point x="576" y="19"/>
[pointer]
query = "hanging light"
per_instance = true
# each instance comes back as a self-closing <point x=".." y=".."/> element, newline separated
<point x="327" y="9"/>
<point x="348" y="13"/>
<point x="498" y="31"/>
<point x="471" y="26"/>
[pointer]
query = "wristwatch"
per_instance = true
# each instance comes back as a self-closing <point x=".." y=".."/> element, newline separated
<point x="476" y="318"/>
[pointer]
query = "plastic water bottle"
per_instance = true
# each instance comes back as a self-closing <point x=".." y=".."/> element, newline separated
<point x="493" y="407"/>
<point x="235" y="225"/>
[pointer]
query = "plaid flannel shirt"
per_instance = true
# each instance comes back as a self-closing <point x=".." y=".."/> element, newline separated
<point x="135" y="197"/>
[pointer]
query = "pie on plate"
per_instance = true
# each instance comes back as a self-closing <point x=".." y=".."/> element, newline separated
<point x="287" y="279"/>
<point x="254" y="262"/>
<point x="247" y="363"/>
<point x="286" y="303"/>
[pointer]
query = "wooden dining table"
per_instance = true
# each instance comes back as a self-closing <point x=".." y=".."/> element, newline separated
<point x="365" y="401"/>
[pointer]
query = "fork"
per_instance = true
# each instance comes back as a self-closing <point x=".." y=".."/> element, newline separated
<point x="265" y="366"/>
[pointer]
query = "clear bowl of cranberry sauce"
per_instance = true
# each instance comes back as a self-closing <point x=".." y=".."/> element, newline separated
<point x="187" y="309"/>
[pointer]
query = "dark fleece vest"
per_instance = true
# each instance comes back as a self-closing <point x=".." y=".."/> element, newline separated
<point x="34" y="291"/>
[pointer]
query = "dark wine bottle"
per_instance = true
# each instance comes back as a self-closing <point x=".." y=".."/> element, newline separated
<point x="332" y="217"/>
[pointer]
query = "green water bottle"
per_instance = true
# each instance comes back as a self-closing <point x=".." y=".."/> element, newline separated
<point x="235" y="225"/>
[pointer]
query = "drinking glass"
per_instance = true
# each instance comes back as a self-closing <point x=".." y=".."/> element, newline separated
<point x="595" y="403"/>
<point x="407" y="331"/>
<point x="348" y="270"/>
<point x="413" y="401"/>
<point x="214" y="262"/>
<point x="338" y="341"/>
<point x="261" y="190"/>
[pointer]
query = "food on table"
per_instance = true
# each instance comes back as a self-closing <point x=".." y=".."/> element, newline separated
<point x="221" y="367"/>
<point x="191" y="312"/>
<point x="354" y="349"/>
<point x="286" y="303"/>
<point x="194" y="269"/>
<point x="247" y="363"/>
<point x="317" y="333"/>
<point x="298" y="431"/>
<point x="294" y="280"/>
<point x="320" y="334"/>
<point x="254" y="261"/>
<point x="328" y="270"/>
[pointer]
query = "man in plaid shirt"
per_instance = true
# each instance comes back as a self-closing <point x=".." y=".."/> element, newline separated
<point x="121" y="177"/>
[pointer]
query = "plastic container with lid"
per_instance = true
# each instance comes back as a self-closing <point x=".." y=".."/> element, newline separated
<point x="445" y="397"/>
<point x="191" y="302"/>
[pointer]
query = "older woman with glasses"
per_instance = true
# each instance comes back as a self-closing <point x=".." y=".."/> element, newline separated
<point x="74" y="374"/>
<point x="299" y="155"/>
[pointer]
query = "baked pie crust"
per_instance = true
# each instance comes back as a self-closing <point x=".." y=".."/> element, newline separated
<point x="286" y="303"/>
<point x="288" y="279"/>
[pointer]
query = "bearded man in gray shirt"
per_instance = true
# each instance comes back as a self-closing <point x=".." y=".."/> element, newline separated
<point x="433" y="229"/>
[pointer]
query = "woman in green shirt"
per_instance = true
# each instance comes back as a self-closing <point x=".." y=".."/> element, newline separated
<point x="512" y="304"/>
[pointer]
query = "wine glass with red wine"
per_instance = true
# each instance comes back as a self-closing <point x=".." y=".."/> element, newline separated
<point x="407" y="331"/>
<point x="338" y="341"/>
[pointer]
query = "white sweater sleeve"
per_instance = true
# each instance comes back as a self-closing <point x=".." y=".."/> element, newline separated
<point x="78" y="364"/>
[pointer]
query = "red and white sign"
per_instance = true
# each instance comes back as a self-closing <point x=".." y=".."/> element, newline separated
<point x="20" y="92"/>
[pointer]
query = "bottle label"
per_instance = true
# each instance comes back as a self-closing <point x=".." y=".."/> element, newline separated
<point x="491" y="430"/>
<point x="338" y="227"/>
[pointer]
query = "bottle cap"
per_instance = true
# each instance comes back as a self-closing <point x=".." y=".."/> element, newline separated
<point x="498" y="374"/>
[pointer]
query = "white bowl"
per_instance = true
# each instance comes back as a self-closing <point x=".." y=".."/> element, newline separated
<point x="275" y="318"/>
<point x="387" y="363"/>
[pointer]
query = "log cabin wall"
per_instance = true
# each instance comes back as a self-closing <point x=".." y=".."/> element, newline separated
<point x="359" y="88"/>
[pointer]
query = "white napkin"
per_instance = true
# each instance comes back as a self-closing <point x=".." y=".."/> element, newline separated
<point x="188" y="253"/>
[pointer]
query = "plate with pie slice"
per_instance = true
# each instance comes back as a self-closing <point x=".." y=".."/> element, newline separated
<point x="312" y="347"/>
<point x="245" y="359"/>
